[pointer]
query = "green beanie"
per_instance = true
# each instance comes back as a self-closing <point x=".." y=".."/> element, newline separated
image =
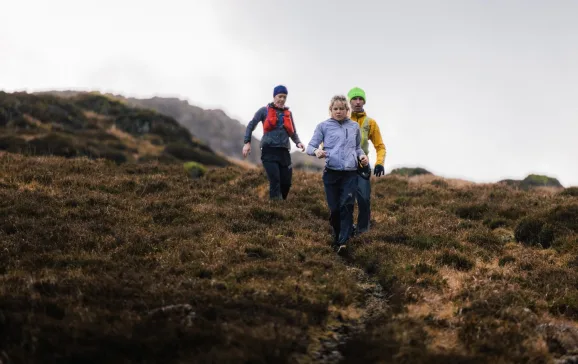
<point x="356" y="92"/>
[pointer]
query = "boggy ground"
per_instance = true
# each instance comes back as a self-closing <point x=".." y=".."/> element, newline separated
<point x="102" y="263"/>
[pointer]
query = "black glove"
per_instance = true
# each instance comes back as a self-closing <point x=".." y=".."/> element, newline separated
<point x="379" y="170"/>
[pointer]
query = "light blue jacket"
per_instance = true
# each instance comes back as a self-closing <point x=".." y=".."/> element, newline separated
<point x="341" y="142"/>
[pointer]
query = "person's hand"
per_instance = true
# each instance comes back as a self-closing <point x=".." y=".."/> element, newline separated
<point x="379" y="170"/>
<point x="300" y="146"/>
<point x="364" y="161"/>
<point x="320" y="153"/>
<point x="246" y="150"/>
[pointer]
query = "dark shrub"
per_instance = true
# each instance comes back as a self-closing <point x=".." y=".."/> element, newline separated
<point x="570" y="191"/>
<point x="110" y="154"/>
<point x="13" y="144"/>
<point x="566" y="304"/>
<point x="425" y="242"/>
<point x="495" y="223"/>
<point x="55" y="144"/>
<point x="98" y="135"/>
<point x="565" y="216"/>
<point x="423" y="268"/>
<point x="187" y="153"/>
<point x="511" y="213"/>
<point x="258" y="252"/>
<point x="528" y="230"/>
<point x="472" y="212"/>
<point x="410" y="172"/>
<point x="505" y="260"/>
<point x="52" y="109"/>
<point x="533" y="231"/>
<point x="535" y="180"/>
<point x="484" y="238"/>
<point x="20" y="123"/>
<point x="456" y="261"/>
<point x="171" y="131"/>
<point x="101" y="104"/>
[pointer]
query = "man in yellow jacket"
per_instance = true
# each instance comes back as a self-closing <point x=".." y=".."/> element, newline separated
<point x="369" y="131"/>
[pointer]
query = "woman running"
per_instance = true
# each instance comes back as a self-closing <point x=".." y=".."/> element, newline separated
<point x="342" y="151"/>
<point x="278" y="128"/>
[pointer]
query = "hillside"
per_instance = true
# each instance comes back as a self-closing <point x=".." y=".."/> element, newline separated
<point x="106" y="263"/>
<point x="97" y="127"/>
<point x="219" y="131"/>
<point x="213" y="127"/>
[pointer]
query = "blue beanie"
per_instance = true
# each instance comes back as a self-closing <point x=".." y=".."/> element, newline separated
<point x="279" y="90"/>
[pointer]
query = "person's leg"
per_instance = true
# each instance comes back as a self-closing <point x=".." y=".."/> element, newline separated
<point x="273" y="174"/>
<point x="286" y="174"/>
<point x="363" y="196"/>
<point x="331" y="184"/>
<point x="348" y="188"/>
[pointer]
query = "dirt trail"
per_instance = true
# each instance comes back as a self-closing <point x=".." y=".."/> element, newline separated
<point x="345" y="323"/>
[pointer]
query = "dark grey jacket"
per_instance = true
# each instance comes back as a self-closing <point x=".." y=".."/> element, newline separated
<point x="276" y="138"/>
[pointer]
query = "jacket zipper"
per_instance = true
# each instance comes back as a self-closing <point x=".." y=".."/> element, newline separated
<point x="345" y="146"/>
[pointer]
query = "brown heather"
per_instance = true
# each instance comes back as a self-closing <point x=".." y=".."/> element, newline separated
<point x="107" y="263"/>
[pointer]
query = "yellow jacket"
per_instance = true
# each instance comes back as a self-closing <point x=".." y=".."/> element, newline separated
<point x="374" y="135"/>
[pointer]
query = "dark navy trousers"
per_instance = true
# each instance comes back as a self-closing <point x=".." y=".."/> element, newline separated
<point x="340" y="191"/>
<point x="363" y="204"/>
<point x="277" y="164"/>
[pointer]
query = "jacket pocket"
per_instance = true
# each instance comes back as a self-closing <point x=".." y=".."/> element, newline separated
<point x="351" y="161"/>
<point x="331" y="161"/>
<point x="351" y="140"/>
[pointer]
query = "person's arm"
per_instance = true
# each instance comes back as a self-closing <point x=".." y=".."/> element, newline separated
<point x="253" y="124"/>
<point x="315" y="140"/>
<point x="259" y="116"/>
<point x="375" y="137"/>
<point x="295" y="137"/>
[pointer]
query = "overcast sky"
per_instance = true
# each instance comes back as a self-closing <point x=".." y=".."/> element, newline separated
<point x="480" y="89"/>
